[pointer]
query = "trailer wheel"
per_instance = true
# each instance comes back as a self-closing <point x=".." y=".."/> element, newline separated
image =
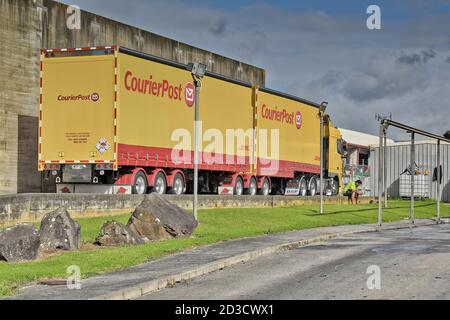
<point x="253" y="187"/>
<point x="265" y="190"/>
<point x="239" y="187"/>
<point x="303" y="187"/>
<point x="160" y="185"/>
<point x="178" y="185"/>
<point x="313" y="186"/>
<point x="140" y="183"/>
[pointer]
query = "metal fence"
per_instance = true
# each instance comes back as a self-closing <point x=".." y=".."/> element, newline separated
<point x="398" y="159"/>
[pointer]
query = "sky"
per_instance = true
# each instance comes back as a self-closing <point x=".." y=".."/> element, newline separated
<point x="321" y="50"/>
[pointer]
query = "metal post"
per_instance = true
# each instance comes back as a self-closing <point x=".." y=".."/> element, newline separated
<point x="321" y="161"/>
<point x="385" y="168"/>
<point x="380" y="178"/>
<point x="196" y="119"/>
<point x="413" y="173"/>
<point x="438" y="185"/>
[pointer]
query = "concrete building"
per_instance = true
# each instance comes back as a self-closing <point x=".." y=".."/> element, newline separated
<point x="356" y="162"/>
<point x="398" y="159"/>
<point x="26" y="26"/>
<point x="359" y="145"/>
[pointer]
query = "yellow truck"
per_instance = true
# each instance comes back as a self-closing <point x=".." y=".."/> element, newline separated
<point x="114" y="120"/>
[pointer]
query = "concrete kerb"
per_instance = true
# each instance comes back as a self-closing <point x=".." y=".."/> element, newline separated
<point x="185" y="276"/>
<point x="32" y="207"/>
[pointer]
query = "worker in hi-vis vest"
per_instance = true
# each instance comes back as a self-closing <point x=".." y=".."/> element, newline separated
<point x="351" y="191"/>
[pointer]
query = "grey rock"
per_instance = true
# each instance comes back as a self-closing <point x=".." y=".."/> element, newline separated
<point x="59" y="231"/>
<point x="114" y="233"/>
<point x="18" y="243"/>
<point x="156" y="218"/>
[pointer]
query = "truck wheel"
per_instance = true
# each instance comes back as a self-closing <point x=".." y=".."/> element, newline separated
<point x="253" y="187"/>
<point x="140" y="183"/>
<point x="303" y="187"/>
<point x="239" y="187"/>
<point x="265" y="190"/>
<point x="160" y="185"/>
<point x="313" y="186"/>
<point x="334" y="187"/>
<point x="178" y="185"/>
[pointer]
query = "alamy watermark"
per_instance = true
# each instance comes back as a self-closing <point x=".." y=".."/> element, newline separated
<point x="373" y="22"/>
<point x="229" y="147"/>
<point x="73" y="21"/>
<point x="374" y="280"/>
<point x="74" y="278"/>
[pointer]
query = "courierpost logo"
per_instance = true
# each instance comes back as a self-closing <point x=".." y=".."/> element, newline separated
<point x="80" y="97"/>
<point x="282" y="116"/>
<point x="161" y="88"/>
<point x="190" y="94"/>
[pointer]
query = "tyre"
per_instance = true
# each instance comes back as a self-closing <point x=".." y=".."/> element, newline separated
<point x="160" y="185"/>
<point x="265" y="189"/>
<point x="312" y="186"/>
<point x="140" y="183"/>
<point x="303" y="187"/>
<point x="178" y="186"/>
<point x="239" y="186"/>
<point x="253" y="187"/>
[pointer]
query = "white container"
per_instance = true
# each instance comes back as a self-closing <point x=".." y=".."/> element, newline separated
<point x="421" y="185"/>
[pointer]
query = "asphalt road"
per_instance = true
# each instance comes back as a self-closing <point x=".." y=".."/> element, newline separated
<point x="413" y="264"/>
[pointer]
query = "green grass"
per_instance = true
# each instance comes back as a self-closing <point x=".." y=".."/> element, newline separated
<point x="215" y="225"/>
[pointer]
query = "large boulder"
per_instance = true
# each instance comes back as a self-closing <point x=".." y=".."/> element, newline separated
<point x="19" y="243"/>
<point x="114" y="233"/>
<point x="59" y="231"/>
<point x="156" y="218"/>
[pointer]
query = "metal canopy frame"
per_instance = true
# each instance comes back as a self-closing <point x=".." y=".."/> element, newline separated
<point x="382" y="166"/>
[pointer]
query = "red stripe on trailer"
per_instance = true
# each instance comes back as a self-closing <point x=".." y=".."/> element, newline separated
<point x="136" y="156"/>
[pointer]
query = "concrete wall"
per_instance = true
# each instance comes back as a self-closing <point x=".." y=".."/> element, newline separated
<point x="26" y="26"/>
<point x="32" y="207"/>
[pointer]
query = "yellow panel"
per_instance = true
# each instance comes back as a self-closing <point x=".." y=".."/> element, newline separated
<point x="78" y="108"/>
<point x="334" y="158"/>
<point x="298" y="126"/>
<point x="153" y="105"/>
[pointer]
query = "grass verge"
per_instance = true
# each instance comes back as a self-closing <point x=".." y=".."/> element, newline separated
<point x="215" y="225"/>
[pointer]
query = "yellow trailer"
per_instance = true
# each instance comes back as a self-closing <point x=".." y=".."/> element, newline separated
<point x="118" y="121"/>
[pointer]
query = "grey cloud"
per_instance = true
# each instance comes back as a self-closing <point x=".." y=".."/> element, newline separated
<point x="376" y="81"/>
<point x="219" y="27"/>
<point x="414" y="58"/>
<point x="447" y="60"/>
<point x="427" y="55"/>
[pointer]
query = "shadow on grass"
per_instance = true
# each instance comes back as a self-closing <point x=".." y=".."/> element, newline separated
<point x="316" y="213"/>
